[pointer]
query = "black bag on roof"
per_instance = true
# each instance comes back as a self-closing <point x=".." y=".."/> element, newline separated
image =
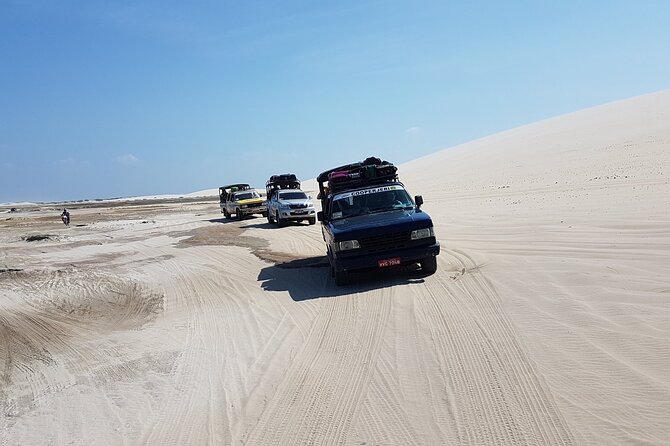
<point x="372" y="161"/>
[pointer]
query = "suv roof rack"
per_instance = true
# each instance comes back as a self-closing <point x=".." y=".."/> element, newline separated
<point x="368" y="172"/>
<point x="281" y="181"/>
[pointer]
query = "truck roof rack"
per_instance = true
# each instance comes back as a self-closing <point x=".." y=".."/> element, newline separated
<point x="233" y="188"/>
<point x="368" y="172"/>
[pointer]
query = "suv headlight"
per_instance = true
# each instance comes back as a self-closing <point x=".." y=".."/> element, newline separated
<point x="422" y="233"/>
<point x="348" y="244"/>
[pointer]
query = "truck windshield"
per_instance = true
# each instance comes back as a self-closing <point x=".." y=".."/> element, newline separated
<point x="247" y="195"/>
<point x="370" y="201"/>
<point x="293" y="196"/>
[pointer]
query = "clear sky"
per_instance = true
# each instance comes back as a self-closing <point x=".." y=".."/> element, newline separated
<point x="101" y="99"/>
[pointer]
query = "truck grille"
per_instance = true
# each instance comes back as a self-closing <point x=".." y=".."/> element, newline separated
<point x="297" y="206"/>
<point x="385" y="242"/>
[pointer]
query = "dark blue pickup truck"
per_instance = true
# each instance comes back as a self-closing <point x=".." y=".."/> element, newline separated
<point x="369" y="220"/>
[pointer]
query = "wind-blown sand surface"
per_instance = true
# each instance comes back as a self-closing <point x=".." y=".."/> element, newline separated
<point x="548" y="321"/>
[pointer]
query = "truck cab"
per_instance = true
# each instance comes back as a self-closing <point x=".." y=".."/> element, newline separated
<point x="286" y="202"/>
<point x="240" y="200"/>
<point x="369" y="221"/>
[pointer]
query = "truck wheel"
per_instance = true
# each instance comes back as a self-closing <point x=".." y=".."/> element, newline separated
<point x="280" y="221"/>
<point x="429" y="265"/>
<point x="269" y="216"/>
<point x="312" y="220"/>
<point x="238" y="214"/>
<point x="341" y="277"/>
<point x="226" y="214"/>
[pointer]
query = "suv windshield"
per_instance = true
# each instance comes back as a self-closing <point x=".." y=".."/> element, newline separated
<point x="292" y="196"/>
<point x="247" y="195"/>
<point x="369" y="201"/>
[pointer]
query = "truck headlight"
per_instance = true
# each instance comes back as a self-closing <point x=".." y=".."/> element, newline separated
<point x="422" y="233"/>
<point x="348" y="244"/>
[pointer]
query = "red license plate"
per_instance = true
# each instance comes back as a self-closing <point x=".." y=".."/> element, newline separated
<point x="389" y="262"/>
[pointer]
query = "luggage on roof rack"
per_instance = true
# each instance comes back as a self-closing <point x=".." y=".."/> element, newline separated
<point x="360" y="174"/>
<point x="284" y="177"/>
<point x="281" y="181"/>
<point x="370" y="171"/>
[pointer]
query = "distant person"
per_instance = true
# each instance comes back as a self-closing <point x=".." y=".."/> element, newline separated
<point x="65" y="216"/>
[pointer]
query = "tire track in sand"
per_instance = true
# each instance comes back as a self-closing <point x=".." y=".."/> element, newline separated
<point x="321" y="393"/>
<point x="500" y="398"/>
<point x="183" y="417"/>
<point x="220" y="340"/>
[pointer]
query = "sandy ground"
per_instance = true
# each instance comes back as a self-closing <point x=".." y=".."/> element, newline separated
<point x="548" y="321"/>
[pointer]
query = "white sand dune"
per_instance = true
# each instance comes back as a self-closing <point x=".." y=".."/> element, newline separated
<point x="547" y="322"/>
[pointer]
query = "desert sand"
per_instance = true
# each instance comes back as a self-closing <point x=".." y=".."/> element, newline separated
<point x="547" y="323"/>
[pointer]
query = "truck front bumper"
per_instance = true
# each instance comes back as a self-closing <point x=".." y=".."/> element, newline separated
<point x="366" y="261"/>
<point x="253" y="210"/>
<point x="297" y="214"/>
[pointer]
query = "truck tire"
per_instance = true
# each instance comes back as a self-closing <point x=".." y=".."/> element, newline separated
<point x="280" y="221"/>
<point x="226" y="214"/>
<point x="429" y="265"/>
<point x="269" y="216"/>
<point x="341" y="277"/>
<point x="238" y="214"/>
<point x="312" y="220"/>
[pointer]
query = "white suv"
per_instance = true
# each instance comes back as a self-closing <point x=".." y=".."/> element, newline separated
<point x="290" y="205"/>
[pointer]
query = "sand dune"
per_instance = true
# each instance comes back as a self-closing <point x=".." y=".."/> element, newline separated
<point x="547" y="322"/>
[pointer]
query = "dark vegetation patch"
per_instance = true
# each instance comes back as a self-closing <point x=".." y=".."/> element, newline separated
<point x="9" y="270"/>
<point x="37" y="237"/>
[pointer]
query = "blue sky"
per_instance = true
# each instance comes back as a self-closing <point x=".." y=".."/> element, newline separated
<point x="102" y="99"/>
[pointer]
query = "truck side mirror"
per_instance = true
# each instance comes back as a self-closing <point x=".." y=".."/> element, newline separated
<point x="419" y="201"/>
<point x="319" y="215"/>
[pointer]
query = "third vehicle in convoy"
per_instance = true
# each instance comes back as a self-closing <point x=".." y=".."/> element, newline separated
<point x="369" y="221"/>
<point x="286" y="202"/>
<point x="240" y="200"/>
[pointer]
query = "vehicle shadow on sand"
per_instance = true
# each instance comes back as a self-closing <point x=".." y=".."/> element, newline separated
<point x="254" y="221"/>
<point x="267" y="225"/>
<point x="222" y="220"/>
<point x="310" y="278"/>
